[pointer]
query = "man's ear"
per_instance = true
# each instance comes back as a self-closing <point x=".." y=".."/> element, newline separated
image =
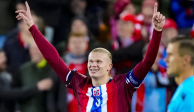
<point x="110" y="66"/>
<point x="187" y="59"/>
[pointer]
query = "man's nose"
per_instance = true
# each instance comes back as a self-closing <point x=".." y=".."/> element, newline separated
<point x="94" y="64"/>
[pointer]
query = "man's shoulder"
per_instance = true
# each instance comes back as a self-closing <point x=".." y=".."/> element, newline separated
<point x="119" y="77"/>
<point x="185" y="90"/>
<point x="77" y="78"/>
<point x="187" y="85"/>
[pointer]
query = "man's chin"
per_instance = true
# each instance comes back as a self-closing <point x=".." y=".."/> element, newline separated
<point x="94" y="76"/>
<point x="170" y="74"/>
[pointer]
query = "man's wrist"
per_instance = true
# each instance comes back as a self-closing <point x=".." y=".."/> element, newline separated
<point x="30" y="25"/>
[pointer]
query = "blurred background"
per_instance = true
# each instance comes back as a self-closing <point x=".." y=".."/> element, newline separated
<point x="75" y="27"/>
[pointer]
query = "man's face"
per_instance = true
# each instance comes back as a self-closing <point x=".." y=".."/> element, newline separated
<point x="174" y="60"/>
<point x="3" y="61"/>
<point x="79" y="26"/>
<point x="125" y="29"/>
<point x="77" y="45"/>
<point x="130" y="9"/>
<point x="167" y="35"/>
<point x="99" y="64"/>
<point x="147" y="11"/>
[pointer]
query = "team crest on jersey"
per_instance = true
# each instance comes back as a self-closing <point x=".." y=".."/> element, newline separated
<point x="96" y="91"/>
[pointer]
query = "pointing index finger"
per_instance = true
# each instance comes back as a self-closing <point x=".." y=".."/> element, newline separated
<point x="27" y="6"/>
<point x="155" y="7"/>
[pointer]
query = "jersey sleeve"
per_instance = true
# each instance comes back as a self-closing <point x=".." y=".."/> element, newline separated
<point x="132" y="80"/>
<point x="50" y="54"/>
<point x="136" y="76"/>
<point x="74" y="78"/>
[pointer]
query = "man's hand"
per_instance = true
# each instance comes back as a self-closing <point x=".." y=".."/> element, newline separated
<point x="45" y="84"/>
<point x="25" y="15"/>
<point x="158" y="19"/>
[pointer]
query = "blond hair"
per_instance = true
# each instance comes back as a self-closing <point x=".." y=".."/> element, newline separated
<point x="103" y="50"/>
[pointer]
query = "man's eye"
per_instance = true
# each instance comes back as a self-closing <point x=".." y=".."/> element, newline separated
<point x="98" y="61"/>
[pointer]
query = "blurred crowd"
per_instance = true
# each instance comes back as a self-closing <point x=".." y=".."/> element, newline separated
<point x="75" y="27"/>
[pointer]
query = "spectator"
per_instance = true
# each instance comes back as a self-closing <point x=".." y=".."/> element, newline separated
<point x="147" y="11"/>
<point x="127" y="40"/>
<point x="9" y="95"/>
<point x="79" y="8"/>
<point x="108" y="25"/>
<point x="119" y="6"/>
<point x="80" y="25"/>
<point x="16" y="46"/>
<point x="76" y="58"/>
<point x="170" y="31"/>
<point x="32" y="72"/>
<point x="153" y="89"/>
<point x="130" y="9"/>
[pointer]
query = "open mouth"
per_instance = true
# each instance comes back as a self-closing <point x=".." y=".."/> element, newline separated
<point x="94" y="70"/>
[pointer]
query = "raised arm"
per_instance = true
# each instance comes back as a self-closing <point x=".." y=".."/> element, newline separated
<point x="142" y="68"/>
<point x="47" y="50"/>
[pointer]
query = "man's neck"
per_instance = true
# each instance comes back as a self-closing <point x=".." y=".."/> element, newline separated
<point x="184" y="75"/>
<point x="100" y="81"/>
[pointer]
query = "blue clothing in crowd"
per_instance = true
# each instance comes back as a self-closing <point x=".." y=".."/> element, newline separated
<point x="161" y="62"/>
<point x="2" y="41"/>
<point x="155" y="94"/>
<point x="183" y="10"/>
